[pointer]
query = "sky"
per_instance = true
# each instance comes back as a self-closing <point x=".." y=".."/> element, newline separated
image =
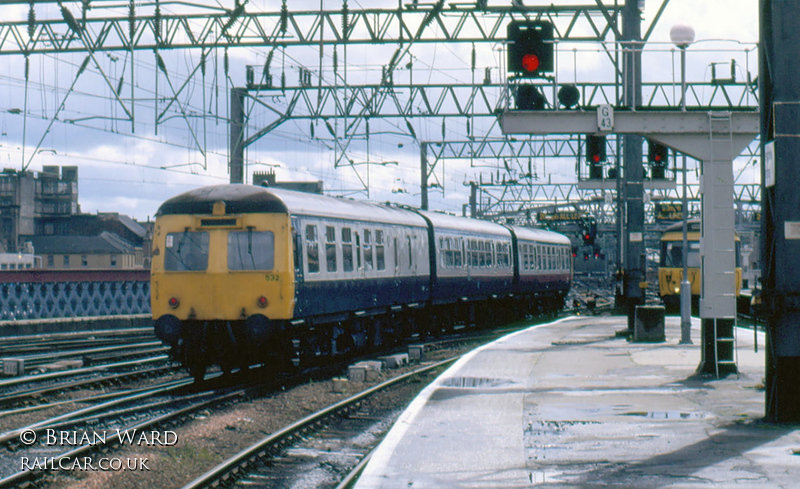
<point x="131" y="167"/>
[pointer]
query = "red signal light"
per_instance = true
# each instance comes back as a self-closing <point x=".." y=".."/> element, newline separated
<point x="262" y="301"/>
<point x="174" y="302"/>
<point x="530" y="62"/>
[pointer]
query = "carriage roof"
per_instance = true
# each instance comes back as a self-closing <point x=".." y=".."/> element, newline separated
<point x="240" y="199"/>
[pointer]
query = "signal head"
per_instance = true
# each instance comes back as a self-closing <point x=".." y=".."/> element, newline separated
<point x="530" y="62"/>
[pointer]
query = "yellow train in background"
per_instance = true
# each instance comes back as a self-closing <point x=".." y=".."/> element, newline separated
<point x="670" y="269"/>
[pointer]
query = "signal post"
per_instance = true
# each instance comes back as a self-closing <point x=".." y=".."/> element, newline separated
<point x="713" y="138"/>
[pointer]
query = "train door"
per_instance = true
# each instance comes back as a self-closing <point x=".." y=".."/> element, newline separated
<point x="396" y="255"/>
<point x="412" y="267"/>
<point x="359" y="257"/>
<point x="297" y="249"/>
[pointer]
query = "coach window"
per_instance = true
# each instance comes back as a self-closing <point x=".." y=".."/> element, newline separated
<point x="368" y="249"/>
<point x="531" y="257"/>
<point x="186" y="251"/>
<point x="473" y="253"/>
<point x="255" y="250"/>
<point x="347" y="250"/>
<point x="312" y="248"/>
<point x="379" y="250"/>
<point x="330" y="248"/>
<point x="504" y="255"/>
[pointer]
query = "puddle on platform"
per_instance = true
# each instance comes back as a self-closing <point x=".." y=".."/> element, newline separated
<point x="680" y="415"/>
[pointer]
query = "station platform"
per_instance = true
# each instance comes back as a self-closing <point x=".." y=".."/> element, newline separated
<point x="571" y="404"/>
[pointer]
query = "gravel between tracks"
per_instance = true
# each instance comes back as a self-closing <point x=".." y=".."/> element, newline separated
<point x="211" y="437"/>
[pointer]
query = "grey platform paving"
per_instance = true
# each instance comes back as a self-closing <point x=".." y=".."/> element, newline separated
<point x="570" y="404"/>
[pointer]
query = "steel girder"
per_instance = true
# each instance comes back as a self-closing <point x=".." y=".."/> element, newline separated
<point x="146" y="27"/>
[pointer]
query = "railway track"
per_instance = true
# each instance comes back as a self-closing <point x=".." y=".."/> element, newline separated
<point x="341" y="434"/>
<point x="12" y="388"/>
<point x="128" y="412"/>
<point x="108" y="415"/>
<point x="35" y="395"/>
<point x="31" y="344"/>
<point x="188" y="404"/>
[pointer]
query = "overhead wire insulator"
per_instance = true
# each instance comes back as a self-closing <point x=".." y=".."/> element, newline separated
<point x="203" y="66"/>
<point x="473" y="57"/>
<point x="84" y="65"/>
<point x="157" y="22"/>
<point x="70" y="20"/>
<point x="31" y="21"/>
<point x="27" y="66"/>
<point x="411" y="129"/>
<point x="330" y="128"/>
<point x="160" y="62"/>
<point x="284" y="21"/>
<point x="119" y="85"/>
<point x="432" y="13"/>
<point x="237" y="12"/>
<point x="225" y="61"/>
<point x="335" y="59"/>
<point x="345" y="19"/>
<point x="268" y="62"/>
<point x="131" y="19"/>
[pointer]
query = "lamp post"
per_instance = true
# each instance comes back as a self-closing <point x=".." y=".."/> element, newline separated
<point x="682" y="36"/>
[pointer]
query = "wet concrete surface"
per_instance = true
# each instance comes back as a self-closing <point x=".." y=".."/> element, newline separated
<point x="571" y="404"/>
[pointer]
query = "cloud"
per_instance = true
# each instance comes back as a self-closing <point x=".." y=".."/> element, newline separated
<point x="137" y="166"/>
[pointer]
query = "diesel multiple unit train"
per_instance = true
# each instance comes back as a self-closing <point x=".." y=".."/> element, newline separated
<point x="670" y="269"/>
<point x="243" y="275"/>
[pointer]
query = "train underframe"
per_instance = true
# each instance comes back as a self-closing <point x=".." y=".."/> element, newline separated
<point x="284" y="345"/>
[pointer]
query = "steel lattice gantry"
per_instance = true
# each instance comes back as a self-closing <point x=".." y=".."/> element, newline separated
<point x="146" y="28"/>
<point x="522" y="186"/>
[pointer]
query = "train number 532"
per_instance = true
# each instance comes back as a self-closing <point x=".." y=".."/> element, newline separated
<point x="272" y="277"/>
